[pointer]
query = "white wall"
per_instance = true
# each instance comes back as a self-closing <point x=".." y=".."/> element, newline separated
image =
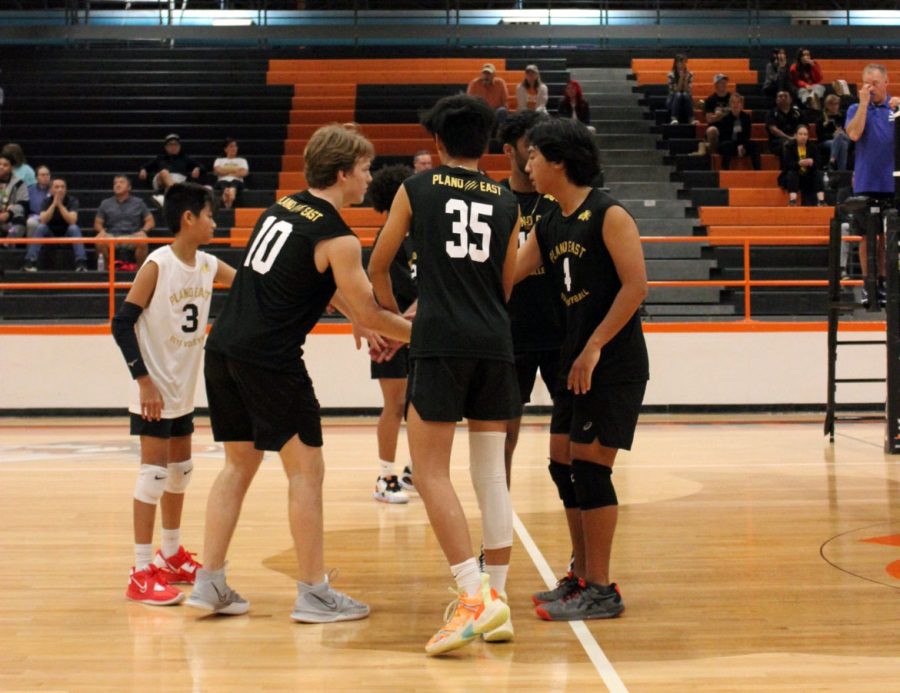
<point x="704" y="368"/>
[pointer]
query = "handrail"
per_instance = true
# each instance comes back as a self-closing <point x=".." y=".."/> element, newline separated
<point x="746" y="242"/>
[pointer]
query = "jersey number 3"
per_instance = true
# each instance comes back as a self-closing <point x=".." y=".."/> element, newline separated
<point x="268" y="243"/>
<point x="469" y="218"/>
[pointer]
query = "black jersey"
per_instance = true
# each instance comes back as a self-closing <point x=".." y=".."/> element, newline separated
<point x="535" y="311"/>
<point x="460" y="229"/>
<point x="403" y="274"/>
<point x="278" y="295"/>
<point x="586" y="280"/>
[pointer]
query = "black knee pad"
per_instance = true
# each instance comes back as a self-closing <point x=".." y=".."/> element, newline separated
<point x="562" y="477"/>
<point x="593" y="485"/>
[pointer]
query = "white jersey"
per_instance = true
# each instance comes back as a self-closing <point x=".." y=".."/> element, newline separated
<point x="172" y="329"/>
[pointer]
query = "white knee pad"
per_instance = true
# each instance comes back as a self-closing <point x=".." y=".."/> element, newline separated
<point x="488" y="472"/>
<point x="180" y="474"/>
<point x="151" y="483"/>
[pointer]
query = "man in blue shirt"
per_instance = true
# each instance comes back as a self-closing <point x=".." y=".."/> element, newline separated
<point x="868" y="124"/>
<point x="37" y="193"/>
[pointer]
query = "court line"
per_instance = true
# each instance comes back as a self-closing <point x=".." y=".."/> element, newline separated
<point x="603" y="666"/>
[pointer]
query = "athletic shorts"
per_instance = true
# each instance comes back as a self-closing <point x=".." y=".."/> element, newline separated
<point x="164" y="428"/>
<point x="608" y="413"/>
<point x="450" y="389"/>
<point x="395" y="369"/>
<point x="248" y="403"/>
<point x="527" y="366"/>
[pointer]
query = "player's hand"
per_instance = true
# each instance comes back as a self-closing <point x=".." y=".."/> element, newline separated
<point x="579" y="381"/>
<point x="386" y="351"/>
<point x="151" y="399"/>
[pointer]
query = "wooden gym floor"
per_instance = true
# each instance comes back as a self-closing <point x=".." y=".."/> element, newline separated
<point x="752" y="556"/>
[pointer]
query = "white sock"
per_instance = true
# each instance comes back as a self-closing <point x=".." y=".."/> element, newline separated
<point x="498" y="575"/>
<point x="467" y="576"/>
<point x="143" y="554"/>
<point x="171" y="540"/>
<point x="387" y="468"/>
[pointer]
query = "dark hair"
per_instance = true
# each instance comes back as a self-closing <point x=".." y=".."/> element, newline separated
<point x="385" y="184"/>
<point x="228" y="140"/>
<point x="14" y="153"/>
<point x="570" y="142"/>
<point x="181" y="198"/>
<point x="4" y="155"/>
<point x="678" y="56"/>
<point x="123" y="175"/>
<point x="803" y="70"/>
<point x="463" y="123"/>
<point x="518" y="124"/>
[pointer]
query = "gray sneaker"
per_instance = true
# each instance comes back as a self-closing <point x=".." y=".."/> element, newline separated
<point x="564" y="587"/>
<point x="321" y="604"/>
<point x="590" y="601"/>
<point x="212" y="593"/>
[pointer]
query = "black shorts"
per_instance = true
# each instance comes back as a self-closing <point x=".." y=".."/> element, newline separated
<point x="164" y="428"/>
<point x="527" y="366"/>
<point x="608" y="413"/>
<point x="448" y="389"/>
<point x="249" y="403"/>
<point x="395" y="369"/>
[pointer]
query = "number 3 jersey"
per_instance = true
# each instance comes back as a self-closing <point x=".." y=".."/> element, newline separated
<point x="278" y="294"/>
<point x="586" y="280"/>
<point x="172" y="329"/>
<point x="460" y="231"/>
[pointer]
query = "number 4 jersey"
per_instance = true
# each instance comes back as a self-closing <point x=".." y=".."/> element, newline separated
<point x="172" y="329"/>
<point x="460" y="230"/>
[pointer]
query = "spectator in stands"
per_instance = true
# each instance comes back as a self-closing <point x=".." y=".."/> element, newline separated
<point x="123" y="214"/>
<point x="21" y="169"/>
<point x="782" y="122"/>
<point x="531" y="94"/>
<point x="422" y="161"/>
<point x="778" y="76"/>
<point x="230" y="172"/>
<point x="572" y="104"/>
<point x="679" y="102"/>
<point x="13" y="200"/>
<point x="735" y="131"/>
<point x="800" y="170"/>
<point x="59" y="217"/>
<point x="868" y="124"/>
<point x="492" y="90"/>
<point x="831" y="134"/>
<point x="806" y="77"/>
<point x="170" y="167"/>
<point x="37" y="193"/>
<point x="715" y="107"/>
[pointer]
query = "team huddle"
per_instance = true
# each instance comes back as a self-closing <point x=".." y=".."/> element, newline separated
<point x="538" y="273"/>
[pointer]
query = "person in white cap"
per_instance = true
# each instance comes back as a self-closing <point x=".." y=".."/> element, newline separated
<point x="715" y="107"/>
<point x="531" y="94"/>
<point x="492" y="90"/>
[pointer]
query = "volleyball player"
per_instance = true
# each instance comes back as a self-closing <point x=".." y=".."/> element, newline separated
<point x="160" y="328"/>
<point x="464" y="231"/>
<point x="592" y="248"/>
<point x="260" y="394"/>
<point x="535" y="311"/>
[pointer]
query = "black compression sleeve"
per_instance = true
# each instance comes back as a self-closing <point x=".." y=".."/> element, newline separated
<point x="123" y="332"/>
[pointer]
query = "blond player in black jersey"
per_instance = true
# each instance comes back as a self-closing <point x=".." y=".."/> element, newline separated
<point x="592" y="248"/>
<point x="464" y="231"/>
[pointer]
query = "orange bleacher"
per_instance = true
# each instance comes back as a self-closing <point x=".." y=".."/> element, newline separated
<point x="656" y="70"/>
<point x="786" y="225"/>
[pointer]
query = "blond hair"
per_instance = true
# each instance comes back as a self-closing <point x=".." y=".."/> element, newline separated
<point x="333" y="148"/>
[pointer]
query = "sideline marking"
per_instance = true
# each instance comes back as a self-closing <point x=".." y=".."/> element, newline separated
<point x="585" y="637"/>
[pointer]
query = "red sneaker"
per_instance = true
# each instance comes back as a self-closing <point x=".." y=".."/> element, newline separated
<point x="148" y="586"/>
<point x="179" y="568"/>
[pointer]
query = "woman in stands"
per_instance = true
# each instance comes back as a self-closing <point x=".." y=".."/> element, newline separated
<point x="531" y="94"/>
<point x="573" y="105"/>
<point x="830" y="132"/>
<point x="800" y="171"/>
<point x="806" y="77"/>
<point x="679" y="102"/>
<point x="230" y="172"/>
<point x="778" y="76"/>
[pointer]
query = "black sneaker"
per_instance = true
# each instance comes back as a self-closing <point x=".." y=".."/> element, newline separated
<point x="882" y="298"/>
<point x="565" y="587"/>
<point x="30" y="266"/>
<point x="81" y="266"/>
<point x="589" y="602"/>
<point x="864" y="299"/>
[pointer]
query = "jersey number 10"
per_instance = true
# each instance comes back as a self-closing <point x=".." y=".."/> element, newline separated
<point x="469" y="218"/>
<point x="263" y="252"/>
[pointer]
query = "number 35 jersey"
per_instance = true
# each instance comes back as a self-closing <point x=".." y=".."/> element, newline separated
<point x="460" y="231"/>
<point x="278" y="295"/>
<point x="586" y="280"/>
<point x="172" y="329"/>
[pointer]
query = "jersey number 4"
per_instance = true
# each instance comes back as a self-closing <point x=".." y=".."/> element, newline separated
<point x="268" y="243"/>
<point x="469" y="218"/>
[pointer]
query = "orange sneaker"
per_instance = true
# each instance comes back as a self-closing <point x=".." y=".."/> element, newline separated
<point x="179" y="568"/>
<point x="148" y="586"/>
<point x="467" y="617"/>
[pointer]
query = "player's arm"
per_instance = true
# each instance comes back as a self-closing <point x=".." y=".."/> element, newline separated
<point x="344" y="256"/>
<point x="528" y="257"/>
<point x="510" y="262"/>
<point x="225" y="273"/>
<point x="389" y="241"/>
<point x="620" y="234"/>
<point x="123" y="323"/>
